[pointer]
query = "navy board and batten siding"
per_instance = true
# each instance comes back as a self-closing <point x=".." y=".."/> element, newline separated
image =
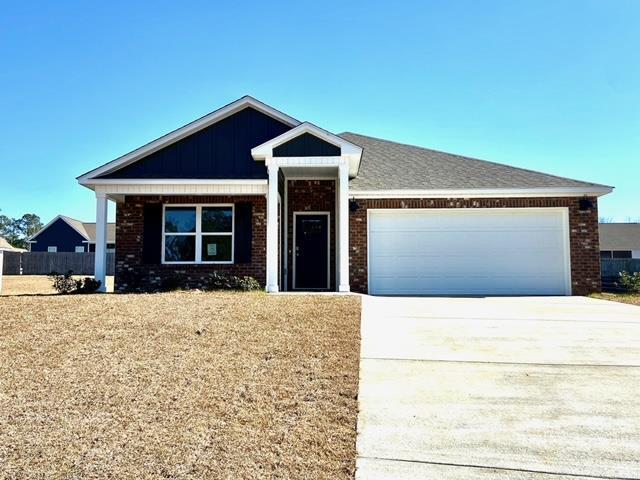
<point x="220" y="151"/>
<point x="60" y="235"/>
<point x="306" y="145"/>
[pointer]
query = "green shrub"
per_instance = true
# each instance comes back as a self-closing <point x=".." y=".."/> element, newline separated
<point x="87" y="285"/>
<point x="66" y="284"/>
<point x="630" y="281"/>
<point x="223" y="281"/>
<point x="248" y="284"/>
<point x="171" y="282"/>
<point x="63" y="283"/>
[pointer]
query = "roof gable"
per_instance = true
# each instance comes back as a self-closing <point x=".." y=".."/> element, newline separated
<point x="70" y="222"/>
<point x="186" y="131"/>
<point x="306" y="145"/>
<point x="221" y="150"/>
<point x="348" y="150"/>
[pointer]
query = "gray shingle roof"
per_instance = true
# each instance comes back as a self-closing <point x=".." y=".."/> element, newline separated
<point x="619" y="236"/>
<point x="389" y="165"/>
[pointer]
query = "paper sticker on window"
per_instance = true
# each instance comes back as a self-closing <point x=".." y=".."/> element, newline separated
<point x="212" y="249"/>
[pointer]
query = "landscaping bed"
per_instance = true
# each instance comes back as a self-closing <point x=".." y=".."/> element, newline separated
<point x="178" y="385"/>
<point x="631" y="298"/>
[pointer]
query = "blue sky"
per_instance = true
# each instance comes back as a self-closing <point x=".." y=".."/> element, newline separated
<point x="546" y="85"/>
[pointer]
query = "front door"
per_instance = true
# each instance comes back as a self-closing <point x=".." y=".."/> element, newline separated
<point x="311" y="251"/>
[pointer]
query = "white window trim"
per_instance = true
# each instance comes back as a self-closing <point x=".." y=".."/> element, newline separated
<point x="199" y="233"/>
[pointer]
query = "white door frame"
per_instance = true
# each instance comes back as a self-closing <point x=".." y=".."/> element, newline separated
<point x="565" y="229"/>
<point x="328" y="215"/>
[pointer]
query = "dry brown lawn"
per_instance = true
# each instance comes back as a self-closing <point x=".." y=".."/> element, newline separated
<point x="34" y="285"/>
<point x="178" y="385"/>
<point x="632" y="298"/>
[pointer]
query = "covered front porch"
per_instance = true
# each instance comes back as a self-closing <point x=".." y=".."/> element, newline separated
<point x="309" y="225"/>
<point x="308" y="209"/>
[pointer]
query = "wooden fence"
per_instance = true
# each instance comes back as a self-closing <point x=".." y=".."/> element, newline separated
<point x="611" y="267"/>
<point x="43" y="263"/>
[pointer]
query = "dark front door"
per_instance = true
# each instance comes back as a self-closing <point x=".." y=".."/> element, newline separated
<point x="312" y="252"/>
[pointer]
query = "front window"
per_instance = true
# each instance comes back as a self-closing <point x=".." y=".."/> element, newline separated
<point x="198" y="234"/>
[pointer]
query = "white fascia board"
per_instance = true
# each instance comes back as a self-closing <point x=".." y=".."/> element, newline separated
<point x="180" y="187"/>
<point x="187" y="130"/>
<point x="484" y="193"/>
<point x="57" y="217"/>
<point x="172" y="181"/>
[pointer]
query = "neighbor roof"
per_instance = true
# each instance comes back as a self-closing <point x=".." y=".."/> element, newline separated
<point x="7" y="247"/>
<point x="388" y="165"/>
<point x="619" y="236"/>
<point x="86" y="229"/>
<point x="90" y="229"/>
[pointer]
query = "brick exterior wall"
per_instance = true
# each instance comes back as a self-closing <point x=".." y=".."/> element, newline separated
<point x="133" y="275"/>
<point x="312" y="196"/>
<point x="583" y="225"/>
<point x="319" y="195"/>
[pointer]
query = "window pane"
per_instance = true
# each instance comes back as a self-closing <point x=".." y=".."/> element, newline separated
<point x="180" y="219"/>
<point x="216" y="248"/>
<point x="622" y="254"/>
<point x="217" y="219"/>
<point x="605" y="254"/>
<point x="179" y="248"/>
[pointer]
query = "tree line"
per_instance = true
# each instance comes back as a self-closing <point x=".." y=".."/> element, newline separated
<point x="17" y="231"/>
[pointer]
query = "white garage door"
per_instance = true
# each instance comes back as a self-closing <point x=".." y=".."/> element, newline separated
<point x="469" y="252"/>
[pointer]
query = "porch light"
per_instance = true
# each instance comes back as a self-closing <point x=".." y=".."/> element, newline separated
<point x="585" y="204"/>
<point x="353" y="206"/>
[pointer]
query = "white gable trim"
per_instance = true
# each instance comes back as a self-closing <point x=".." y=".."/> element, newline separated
<point x="185" y="131"/>
<point x="350" y="152"/>
<point x="59" y="217"/>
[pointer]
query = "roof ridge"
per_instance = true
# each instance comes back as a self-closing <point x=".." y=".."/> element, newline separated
<point x="473" y="159"/>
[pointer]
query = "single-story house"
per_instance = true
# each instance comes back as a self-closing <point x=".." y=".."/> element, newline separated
<point x="249" y="190"/>
<point x="66" y="234"/>
<point x="619" y="240"/>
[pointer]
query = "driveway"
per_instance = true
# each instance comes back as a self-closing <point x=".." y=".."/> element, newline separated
<point x="499" y="388"/>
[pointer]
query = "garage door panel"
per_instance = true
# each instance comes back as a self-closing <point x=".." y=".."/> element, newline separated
<point x="482" y="240"/>
<point x="448" y="265"/>
<point x="512" y="251"/>
<point x="466" y="285"/>
<point x="468" y="220"/>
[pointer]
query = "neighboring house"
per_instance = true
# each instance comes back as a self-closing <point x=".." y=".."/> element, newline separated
<point x="6" y="247"/>
<point x="65" y="234"/>
<point x="620" y="240"/>
<point x="249" y="190"/>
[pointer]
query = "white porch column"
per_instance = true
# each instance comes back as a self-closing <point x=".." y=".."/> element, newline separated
<point x="343" y="231"/>
<point x="272" y="230"/>
<point x="101" y="241"/>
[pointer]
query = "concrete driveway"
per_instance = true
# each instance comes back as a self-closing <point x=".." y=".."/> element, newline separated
<point x="499" y="388"/>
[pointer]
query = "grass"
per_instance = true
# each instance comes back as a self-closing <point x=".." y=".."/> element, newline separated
<point x="178" y="385"/>
<point x="631" y="298"/>
<point x="33" y="285"/>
